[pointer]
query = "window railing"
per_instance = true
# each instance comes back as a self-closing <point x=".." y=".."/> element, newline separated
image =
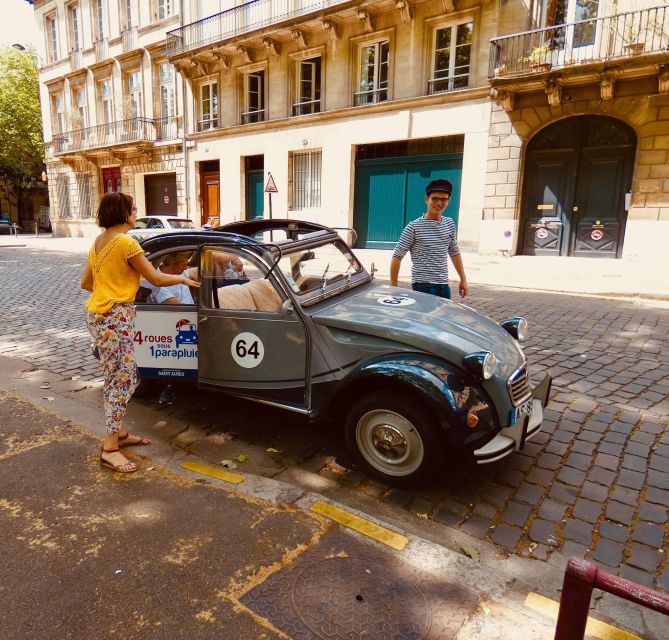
<point x="251" y="16"/>
<point x="599" y="39"/>
<point x="444" y="85"/>
<point x="76" y="59"/>
<point x="106" y="135"/>
<point x="129" y="39"/>
<point x="370" y="97"/>
<point x="208" y="123"/>
<point x="305" y="108"/>
<point x="248" y="117"/>
<point x="101" y="49"/>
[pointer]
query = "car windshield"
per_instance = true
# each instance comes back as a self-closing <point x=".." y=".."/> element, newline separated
<point x="181" y="223"/>
<point x="316" y="268"/>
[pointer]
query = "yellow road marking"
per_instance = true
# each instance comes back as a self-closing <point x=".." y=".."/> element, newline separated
<point x="220" y="474"/>
<point x="367" y="528"/>
<point x="595" y="628"/>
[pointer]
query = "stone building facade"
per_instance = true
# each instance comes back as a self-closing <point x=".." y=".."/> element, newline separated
<point x="111" y="105"/>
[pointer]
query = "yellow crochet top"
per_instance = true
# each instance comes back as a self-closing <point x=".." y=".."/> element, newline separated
<point x="114" y="280"/>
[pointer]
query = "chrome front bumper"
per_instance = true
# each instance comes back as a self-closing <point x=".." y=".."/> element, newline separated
<point x="513" y="438"/>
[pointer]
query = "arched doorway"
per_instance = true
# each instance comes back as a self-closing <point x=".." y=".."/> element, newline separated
<point x="577" y="172"/>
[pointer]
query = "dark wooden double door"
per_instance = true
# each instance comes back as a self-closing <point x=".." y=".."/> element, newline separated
<point x="577" y="172"/>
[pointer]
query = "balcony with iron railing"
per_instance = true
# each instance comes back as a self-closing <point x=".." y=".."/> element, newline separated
<point x="246" y="18"/>
<point x="121" y="132"/>
<point x="586" y="41"/>
<point x="168" y="128"/>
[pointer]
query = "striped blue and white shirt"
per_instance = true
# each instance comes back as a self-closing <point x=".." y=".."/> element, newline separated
<point x="430" y="242"/>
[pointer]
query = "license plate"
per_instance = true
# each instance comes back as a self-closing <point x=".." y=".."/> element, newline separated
<point x="525" y="408"/>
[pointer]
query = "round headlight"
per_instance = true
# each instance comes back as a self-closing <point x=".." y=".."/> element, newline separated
<point x="522" y="329"/>
<point x="482" y="364"/>
<point x="489" y="366"/>
<point x="516" y="327"/>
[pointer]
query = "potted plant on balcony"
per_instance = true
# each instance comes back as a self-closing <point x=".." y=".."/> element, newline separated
<point x="639" y="28"/>
<point x="539" y="58"/>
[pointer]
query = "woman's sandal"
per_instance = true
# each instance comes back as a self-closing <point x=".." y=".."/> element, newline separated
<point x="139" y="442"/>
<point x="116" y="467"/>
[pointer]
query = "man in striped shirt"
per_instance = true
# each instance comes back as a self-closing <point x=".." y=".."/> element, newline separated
<point x="431" y="239"/>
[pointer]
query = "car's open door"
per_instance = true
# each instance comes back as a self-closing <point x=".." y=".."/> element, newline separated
<point x="251" y="342"/>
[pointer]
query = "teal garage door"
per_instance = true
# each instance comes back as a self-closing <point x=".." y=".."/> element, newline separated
<point x="390" y="193"/>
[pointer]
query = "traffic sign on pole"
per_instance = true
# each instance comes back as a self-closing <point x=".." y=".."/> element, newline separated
<point x="270" y="187"/>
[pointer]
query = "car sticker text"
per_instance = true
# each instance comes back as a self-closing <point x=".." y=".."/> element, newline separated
<point x="247" y="350"/>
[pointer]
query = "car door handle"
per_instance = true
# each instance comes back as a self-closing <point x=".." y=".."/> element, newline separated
<point x="203" y="319"/>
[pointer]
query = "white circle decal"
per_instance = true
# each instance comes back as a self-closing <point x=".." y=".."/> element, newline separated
<point x="247" y="350"/>
<point x="396" y="301"/>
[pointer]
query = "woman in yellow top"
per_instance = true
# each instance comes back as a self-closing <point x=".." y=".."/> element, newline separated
<point x="115" y="265"/>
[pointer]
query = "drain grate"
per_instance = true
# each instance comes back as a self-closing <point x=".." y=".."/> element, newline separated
<point x="343" y="589"/>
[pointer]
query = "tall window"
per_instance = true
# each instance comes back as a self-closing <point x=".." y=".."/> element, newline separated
<point x="52" y="38"/>
<point x="452" y="58"/>
<point x="63" y="196"/>
<point x="75" y="27"/>
<point x="59" y="113"/>
<point x="308" y="87"/>
<point x="82" y="108"/>
<point x="100" y="18"/>
<point x="208" y="106"/>
<point x="165" y="9"/>
<point x="85" y="199"/>
<point x="166" y="81"/>
<point x="373" y="72"/>
<point x="135" y="94"/>
<point x="126" y="13"/>
<point x="254" y="97"/>
<point x="107" y="101"/>
<point x="305" y="170"/>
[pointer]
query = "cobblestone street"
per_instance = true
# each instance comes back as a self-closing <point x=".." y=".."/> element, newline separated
<point x="594" y="482"/>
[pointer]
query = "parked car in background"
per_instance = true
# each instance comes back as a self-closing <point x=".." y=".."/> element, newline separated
<point x="286" y="315"/>
<point x="148" y="226"/>
<point x="8" y="226"/>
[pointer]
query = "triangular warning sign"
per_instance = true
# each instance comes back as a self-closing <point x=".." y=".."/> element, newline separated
<point x="270" y="187"/>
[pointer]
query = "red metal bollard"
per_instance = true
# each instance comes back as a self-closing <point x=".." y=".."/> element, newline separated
<point x="580" y="578"/>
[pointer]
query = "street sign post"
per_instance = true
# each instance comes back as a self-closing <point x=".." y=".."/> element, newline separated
<point x="270" y="188"/>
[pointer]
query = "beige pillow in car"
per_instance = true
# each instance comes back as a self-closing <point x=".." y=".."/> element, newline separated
<point x="235" y="296"/>
<point x="264" y="295"/>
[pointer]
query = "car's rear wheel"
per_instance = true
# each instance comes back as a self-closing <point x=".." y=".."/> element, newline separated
<point x="394" y="438"/>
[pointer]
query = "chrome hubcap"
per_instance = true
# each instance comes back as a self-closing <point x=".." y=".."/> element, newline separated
<point x="389" y="442"/>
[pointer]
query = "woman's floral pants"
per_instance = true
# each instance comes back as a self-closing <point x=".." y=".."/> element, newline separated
<point x="113" y="333"/>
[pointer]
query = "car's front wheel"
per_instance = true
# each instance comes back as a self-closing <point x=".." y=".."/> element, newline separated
<point x="394" y="439"/>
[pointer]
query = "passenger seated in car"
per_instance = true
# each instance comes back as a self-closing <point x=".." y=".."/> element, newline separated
<point x="175" y="264"/>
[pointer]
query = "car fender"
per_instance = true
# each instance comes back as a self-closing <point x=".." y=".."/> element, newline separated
<point x="448" y="392"/>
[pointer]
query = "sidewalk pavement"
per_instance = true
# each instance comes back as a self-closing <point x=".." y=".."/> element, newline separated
<point x="183" y="549"/>
<point x="588" y="276"/>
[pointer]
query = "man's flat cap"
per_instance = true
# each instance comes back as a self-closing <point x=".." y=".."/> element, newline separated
<point x="439" y="185"/>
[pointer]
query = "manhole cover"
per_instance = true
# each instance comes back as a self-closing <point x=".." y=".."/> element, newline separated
<point x="359" y="594"/>
<point x="344" y="589"/>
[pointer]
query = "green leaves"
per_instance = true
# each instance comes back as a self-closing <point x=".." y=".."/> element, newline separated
<point x="21" y="142"/>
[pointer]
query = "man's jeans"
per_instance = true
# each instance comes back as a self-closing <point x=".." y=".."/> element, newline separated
<point x="441" y="290"/>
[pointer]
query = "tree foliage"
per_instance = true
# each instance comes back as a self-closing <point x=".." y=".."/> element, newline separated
<point x="21" y="142"/>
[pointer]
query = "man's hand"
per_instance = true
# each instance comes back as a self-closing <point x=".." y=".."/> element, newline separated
<point x="463" y="288"/>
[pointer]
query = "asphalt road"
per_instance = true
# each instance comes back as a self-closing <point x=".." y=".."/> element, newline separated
<point x="594" y="483"/>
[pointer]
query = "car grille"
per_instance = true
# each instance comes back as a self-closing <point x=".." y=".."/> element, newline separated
<point x="519" y="386"/>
